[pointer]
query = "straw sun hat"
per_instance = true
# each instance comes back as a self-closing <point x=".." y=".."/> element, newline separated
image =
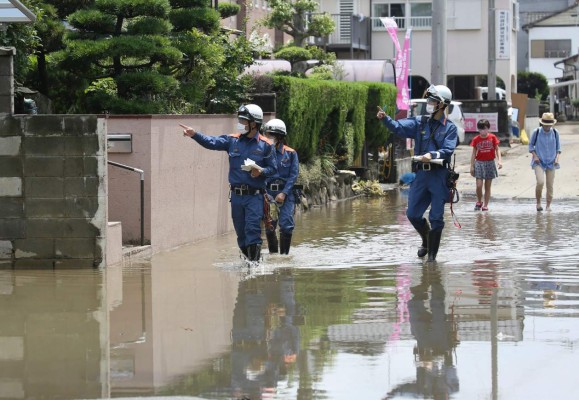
<point x="548" y="119"/>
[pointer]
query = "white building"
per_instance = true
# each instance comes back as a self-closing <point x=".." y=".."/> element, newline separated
<point x="529" y="12"/>
<point x="466" y="43"/>
<point x="359" y="34"/>
<point x="552" y="39"/>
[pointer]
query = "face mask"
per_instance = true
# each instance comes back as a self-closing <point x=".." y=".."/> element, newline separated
<point x="430" y="108"/>
<point x="274" y="141"/>
<point x="242" y="129"/>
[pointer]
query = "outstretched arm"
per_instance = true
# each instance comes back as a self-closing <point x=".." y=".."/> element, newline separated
<point x="209" y="142"/>
<point x="407" y="127"/>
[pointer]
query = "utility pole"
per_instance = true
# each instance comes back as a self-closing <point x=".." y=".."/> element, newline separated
<point x="492" y="71"/>
<point x="438" y="57"/>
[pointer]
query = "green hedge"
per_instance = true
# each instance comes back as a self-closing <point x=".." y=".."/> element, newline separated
<point x="316" y="112"/>
<point x="383" y="95"/>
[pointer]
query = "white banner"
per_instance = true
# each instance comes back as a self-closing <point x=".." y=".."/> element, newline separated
<point x="470" y="120"/>
<point x="503" y="34"/>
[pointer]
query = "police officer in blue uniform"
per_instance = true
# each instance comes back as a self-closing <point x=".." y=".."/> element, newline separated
<point x="247" y="187"/>
<point x="435" y="138"/>
<point x="280" y="187"/>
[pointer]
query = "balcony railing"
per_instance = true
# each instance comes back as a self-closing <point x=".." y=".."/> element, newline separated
<point x="404" y="23"/>
<point x="353" y="30"/>
<point x="557" y="53"/>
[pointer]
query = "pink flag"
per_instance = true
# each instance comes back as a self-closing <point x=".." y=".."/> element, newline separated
<point x="401" y="63"/>
<point x="403" y="95"/>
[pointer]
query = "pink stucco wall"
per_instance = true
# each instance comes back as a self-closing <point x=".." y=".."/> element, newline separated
<point x="172" y="321"/>
<point x="186" y="189"/>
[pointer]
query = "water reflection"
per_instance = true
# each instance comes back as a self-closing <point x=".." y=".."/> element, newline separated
<point x="265" y="335"/>
<point x="351" y="313"/>
<point x="436" y="335"/>
<point x="53" y="335"/>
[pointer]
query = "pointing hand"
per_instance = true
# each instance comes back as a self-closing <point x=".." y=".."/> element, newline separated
<point x="187" y="130"/>
<point x="381" y="114"/>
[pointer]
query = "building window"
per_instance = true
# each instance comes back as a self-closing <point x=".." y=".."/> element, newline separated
<point x="421" y="9"/>
<point x="392" y="10"/>
<point x="421" y="15"/>
<point x="555" y="48"/>
<point x="415" y="15"/>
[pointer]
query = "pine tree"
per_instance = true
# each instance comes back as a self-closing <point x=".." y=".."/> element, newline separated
<point x="122" y="49"/>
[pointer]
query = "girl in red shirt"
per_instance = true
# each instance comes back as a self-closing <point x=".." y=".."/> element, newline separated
<point x="485" y="147"/>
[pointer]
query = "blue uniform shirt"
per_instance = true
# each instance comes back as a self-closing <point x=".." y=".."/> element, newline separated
<point x="239" y="147"/>
<point x="433" y="136"/>
<point x="287" y="168"/>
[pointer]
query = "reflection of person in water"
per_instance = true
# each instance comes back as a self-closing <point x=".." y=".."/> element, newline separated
<point x="485" y="227"/>
<point x="435" y="334"/>
<point x="484" y="276"/>
<point x="265" y="336"/>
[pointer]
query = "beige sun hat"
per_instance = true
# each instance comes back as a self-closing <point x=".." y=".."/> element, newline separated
<point x="548" y="119"/>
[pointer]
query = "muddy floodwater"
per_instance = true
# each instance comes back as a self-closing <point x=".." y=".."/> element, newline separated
<point x="351" y="313"/>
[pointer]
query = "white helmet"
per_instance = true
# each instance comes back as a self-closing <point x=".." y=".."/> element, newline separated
<point x="276" y="127"/>
<point x="251" y="112"/>
<point x="439" y="93"/>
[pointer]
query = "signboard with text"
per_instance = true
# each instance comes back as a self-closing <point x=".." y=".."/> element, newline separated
<point x="503" y="34"/>
<point x="470" y="120"/>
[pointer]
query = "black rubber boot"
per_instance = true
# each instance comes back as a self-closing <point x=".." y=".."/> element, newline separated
<point x="285" y="241"/>
<point x="254" y="252"/>
<point x="424" y="231"/>
<point x="244" y="251"/>
<point x="272" y="243"/>
<point x="433" y="244"/>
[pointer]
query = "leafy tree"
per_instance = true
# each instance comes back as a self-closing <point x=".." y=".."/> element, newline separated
<point x="125" y="40"/>
<point x="210" y="71"/>
<point x="24" y="38"/>
<point x="50" y="33"/>
<point x="230" y="88"/>
<point x="297" y="19"/>
<point x="534" y="84"/>
<point x="293" y="54"/>
<point x="227" y="10"/>
<point x="133" y="56"/>
<point x="66" y="7"/>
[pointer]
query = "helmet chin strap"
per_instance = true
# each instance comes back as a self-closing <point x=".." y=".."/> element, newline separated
<point x="439" y="108"/>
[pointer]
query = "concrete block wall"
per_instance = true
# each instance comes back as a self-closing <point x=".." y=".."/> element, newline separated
<point x="52" y="191"/>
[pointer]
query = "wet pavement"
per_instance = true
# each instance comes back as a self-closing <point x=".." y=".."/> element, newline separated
<point x="350" y="314"/>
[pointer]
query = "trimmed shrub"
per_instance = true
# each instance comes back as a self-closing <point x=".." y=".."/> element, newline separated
<point x="227" y="10"/>
<point x="293" y="54"/>
<point x="315" y="113"/>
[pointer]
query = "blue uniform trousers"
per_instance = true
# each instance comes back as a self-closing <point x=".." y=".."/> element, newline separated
<point x="247" y="213"/>
<point x="429" y="188"/>
<point x="286" y="214"/>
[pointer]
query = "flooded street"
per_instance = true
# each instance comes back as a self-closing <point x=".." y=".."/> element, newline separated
<point x="351" y="313"/>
